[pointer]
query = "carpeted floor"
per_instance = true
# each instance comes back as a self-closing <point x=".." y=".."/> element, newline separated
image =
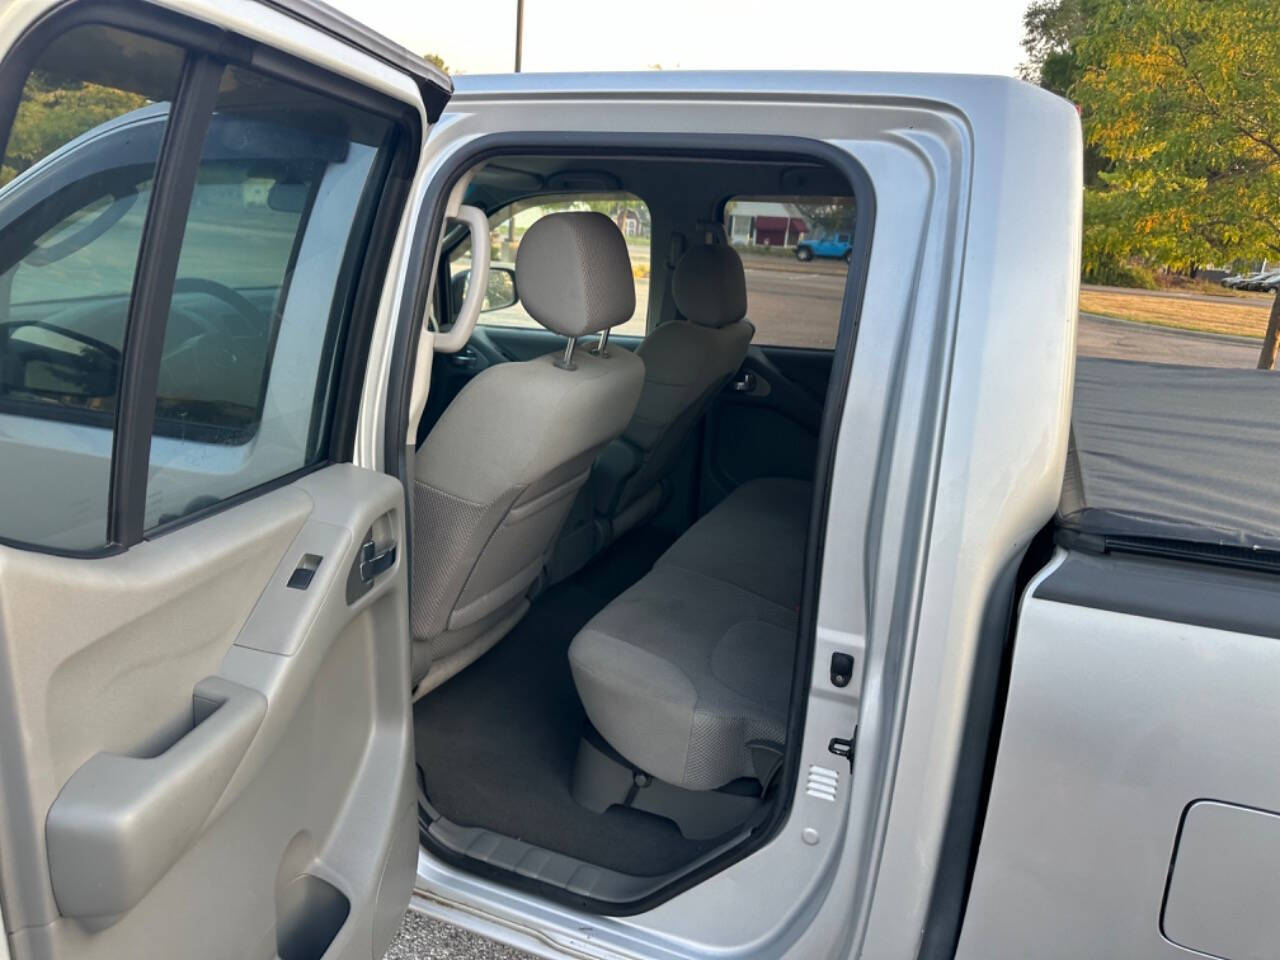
<point x="497" y="743"/>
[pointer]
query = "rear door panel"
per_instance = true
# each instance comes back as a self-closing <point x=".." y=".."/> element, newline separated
<point x="765" y="422"/>
<point x="308" y="818"/>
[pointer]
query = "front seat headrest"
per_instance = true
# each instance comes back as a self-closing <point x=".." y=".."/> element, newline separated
<point x="573" y="273"/>
<point x="709" y="286"/>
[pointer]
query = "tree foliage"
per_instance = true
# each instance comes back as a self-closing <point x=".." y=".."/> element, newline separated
<point x="1050" y="30"/>
<point x="436" y="59"/>
<point x="1183" y="98"/>
<point x="1181" y="108"/>
<point x="826" y="216"/>
<point x="52" y="112"/>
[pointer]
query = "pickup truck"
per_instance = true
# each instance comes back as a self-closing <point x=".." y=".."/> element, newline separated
<point x="614" y="600"/>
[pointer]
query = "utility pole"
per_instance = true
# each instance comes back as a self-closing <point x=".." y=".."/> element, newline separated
<point x="520" y="42"/>
<point x="519" y="31"/>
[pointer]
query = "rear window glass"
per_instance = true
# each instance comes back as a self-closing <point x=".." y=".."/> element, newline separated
<point x="795" y="252"/>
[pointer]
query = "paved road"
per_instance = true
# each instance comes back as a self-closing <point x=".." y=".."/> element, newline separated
<point x="795" y="307"/>
<point x="1122" y="340"/>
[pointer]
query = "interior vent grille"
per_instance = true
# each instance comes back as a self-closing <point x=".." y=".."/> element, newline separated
<point x="822" y="783"/>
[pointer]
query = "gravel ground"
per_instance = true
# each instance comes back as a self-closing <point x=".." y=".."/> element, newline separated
<point x="422" y="938"/>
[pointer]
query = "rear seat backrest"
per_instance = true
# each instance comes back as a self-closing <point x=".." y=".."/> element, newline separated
<point x="686" y="363"/>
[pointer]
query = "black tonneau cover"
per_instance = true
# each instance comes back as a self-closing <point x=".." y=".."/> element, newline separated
<point x="1168" y="452"/>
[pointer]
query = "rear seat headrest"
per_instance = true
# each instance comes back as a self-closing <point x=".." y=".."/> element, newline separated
<point x="573" y="273"/>
<point x="709" y="286"/>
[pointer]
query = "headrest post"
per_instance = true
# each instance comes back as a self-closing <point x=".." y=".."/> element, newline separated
<point x="601" y="349"/>
<point x="566" y="362"/>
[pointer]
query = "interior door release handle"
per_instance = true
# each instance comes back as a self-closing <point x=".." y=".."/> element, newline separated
<point x="746" y="383"/>
<point x="373" y="562"/>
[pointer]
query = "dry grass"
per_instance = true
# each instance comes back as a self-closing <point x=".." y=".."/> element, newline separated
<point x="1180" y="313"/>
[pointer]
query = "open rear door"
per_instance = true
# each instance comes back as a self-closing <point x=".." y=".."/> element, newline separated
<point x="205" y="746"/>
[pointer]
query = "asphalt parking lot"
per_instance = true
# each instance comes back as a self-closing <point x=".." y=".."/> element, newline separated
<point x="1123" y="340"/>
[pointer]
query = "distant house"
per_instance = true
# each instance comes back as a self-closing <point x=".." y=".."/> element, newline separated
<point x="765" y="223"/>
<point x="632" y="221"/>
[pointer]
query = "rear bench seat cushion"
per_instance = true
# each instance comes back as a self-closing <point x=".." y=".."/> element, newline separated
<point x="693" y="663"/>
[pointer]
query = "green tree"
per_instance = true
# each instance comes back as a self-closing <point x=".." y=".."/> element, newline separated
<point x="1183" y="98"/>
<point x="1052" y="30"/>
<point x="825" y="216"/>
<point x="52" y="112"/>
<point x="436" y="59"/>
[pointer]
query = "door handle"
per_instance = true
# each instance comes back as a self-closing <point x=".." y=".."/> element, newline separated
<point x="465" y="358"/>
<point x="745" y="382"/>
<point x="121" y="822"/>
<point x="374" y="561"/>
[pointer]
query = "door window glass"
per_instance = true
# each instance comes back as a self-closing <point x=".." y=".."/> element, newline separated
<point x="75" y="184"/>
<point x="281" y="210"/>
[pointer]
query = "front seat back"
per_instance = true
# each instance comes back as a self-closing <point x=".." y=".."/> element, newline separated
<point x="686" y="362"/>
<point x="498" y="473"/>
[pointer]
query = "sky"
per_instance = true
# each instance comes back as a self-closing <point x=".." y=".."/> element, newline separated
<point x="478" y="36"/>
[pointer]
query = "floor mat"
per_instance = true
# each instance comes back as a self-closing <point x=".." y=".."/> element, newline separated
<point x="497" y="743"/>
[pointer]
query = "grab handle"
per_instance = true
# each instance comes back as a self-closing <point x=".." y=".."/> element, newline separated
<point x="120" y="823"/>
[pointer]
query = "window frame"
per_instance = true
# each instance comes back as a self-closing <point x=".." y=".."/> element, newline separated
<point x="208" y="52"/>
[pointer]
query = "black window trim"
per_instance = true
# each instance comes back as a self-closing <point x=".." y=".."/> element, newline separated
<point x="153" y="283"/>
<point x="208" y="49"/>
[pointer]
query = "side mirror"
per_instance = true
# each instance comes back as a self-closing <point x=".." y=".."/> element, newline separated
<point x="501" y="292"/>
<point x="57" y="365"/>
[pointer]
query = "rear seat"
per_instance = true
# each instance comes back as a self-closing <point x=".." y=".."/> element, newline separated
<point x="687" y="674"/>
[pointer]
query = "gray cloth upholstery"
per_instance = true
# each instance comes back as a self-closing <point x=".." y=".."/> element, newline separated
<point x="500" y="470"/>
<point x="709" y="286"/>
<point x="686" y="364"/>
<point x="573" y="273"/>
<point x="495" y="480"/>
<point x="690" y="666"/>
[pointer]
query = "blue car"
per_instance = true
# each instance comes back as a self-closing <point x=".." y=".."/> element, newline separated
<point x="836" y="247"/>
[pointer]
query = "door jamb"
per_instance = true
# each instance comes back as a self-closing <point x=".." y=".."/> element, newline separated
<point x="421" y="261"/>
